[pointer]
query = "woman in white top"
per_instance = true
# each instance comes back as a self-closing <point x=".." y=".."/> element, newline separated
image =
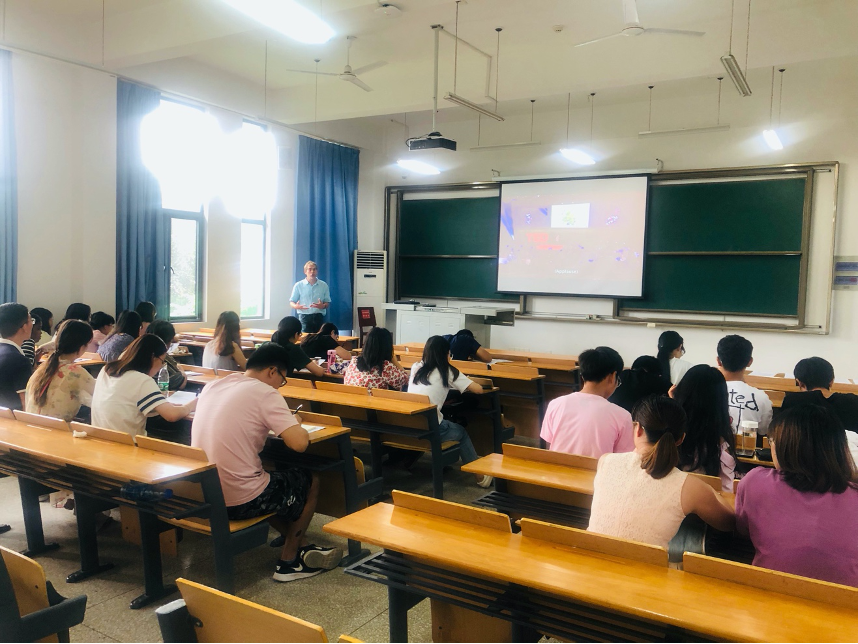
<point x="224" y="351"/>
<point x="126" y="392"/>
<point x="641" y="495"/>
<point x="671" y="348"/>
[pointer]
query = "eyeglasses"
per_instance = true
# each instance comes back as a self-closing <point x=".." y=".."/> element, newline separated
<point x="282" y="378"/>
<point x="619" y="380"/>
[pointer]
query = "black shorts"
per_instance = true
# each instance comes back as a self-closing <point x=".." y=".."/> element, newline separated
<point x="285" y="496"/>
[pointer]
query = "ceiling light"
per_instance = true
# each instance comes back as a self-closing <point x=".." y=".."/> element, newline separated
<point x="458" y="100"/>
<point x="388" y="10"/>
<point x="287" y="17"/>
<point x="773" y="140"/>
<point x="736" y="75"/>
<point x="578" y="156"/>
<point x="417" y="166"/>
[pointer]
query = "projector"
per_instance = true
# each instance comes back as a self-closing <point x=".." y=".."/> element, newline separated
<point x="432" y="141"/>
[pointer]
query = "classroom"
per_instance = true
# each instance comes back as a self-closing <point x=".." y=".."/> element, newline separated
<point x="428" y="320"/>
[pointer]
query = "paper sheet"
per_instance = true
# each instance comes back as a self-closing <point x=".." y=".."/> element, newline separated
<point x="312" y="428"/>
<point x="188" y="374"/>
<point x="182" y="397"/>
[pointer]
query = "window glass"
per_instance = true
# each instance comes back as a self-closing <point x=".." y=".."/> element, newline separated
<point x="252" y="269"/>
<point x="185" y="268"/>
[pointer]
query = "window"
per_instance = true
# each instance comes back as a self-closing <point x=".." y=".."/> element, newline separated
<point x="186" y="265"/>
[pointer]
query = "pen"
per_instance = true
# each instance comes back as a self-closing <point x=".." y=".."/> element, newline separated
<point x="297" y="409"/>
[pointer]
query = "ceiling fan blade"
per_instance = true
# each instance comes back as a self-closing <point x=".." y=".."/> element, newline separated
<point x="369" y="68"/>
<point x="354" y="80"/>
<point x="304" y="71"/>
<point x="590" y="42"/>
<point x="675" y="32"/>
<point x="630" y="12"/>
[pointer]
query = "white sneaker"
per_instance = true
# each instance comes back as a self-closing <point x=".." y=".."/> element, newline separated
<point x="486" y="482"/>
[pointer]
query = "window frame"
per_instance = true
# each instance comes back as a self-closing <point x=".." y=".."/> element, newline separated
<point x="200" y="218"/>
<point x="264" y="223"/>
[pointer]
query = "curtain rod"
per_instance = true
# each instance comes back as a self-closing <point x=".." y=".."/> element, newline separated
<point x="128" y="79"/>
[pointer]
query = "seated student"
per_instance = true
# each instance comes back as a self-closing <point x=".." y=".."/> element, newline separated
<point x="815" y="377"/>
<point x="434" y="376"/>
<point x="59" y="387"/>
<point x="317" y="345"/>
<point x="287" y="335"/>
<point x="802" y="517"/>
<point x="15" y="370"/>
<point x="47" y="319"/>
<point x="127" y="330"/>
<point x="641" y="495"/>
<point x="464" y="346"/>
<point x="126" y="391"/>
<point x="709" y="445"/>
<point x="102" y="326"/>
<point x="671" y="348"/>
<point x="147" y="313"/>
<point x="75" y="311"/>
<point x="224" y="350"/>
<point x="376" y="367"/>
<point x="29" y="345"/>
<point x="167" y="332"/>
<point x="585" y="422"/>
<point x="232" y="422"/>
<point x="643" y="379"/>
<point x="746" y="402"/>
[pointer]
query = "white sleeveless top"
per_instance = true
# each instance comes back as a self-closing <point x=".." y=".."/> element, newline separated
<point x="211" y="360"/>
<point x="629" y="503"/>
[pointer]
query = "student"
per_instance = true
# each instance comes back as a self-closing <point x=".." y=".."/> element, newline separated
<point x="29" y="345"/>
<point x="126" y="391"/>
<point x="59" y="387"/>
<point x="708" y="447"/>
<point x="464" y="346"/>
<point x="147" y="313"/>
<point x="310" y="298"/>
<point x="815" y="377"/>
<point x="585" y="422"/>
<point x="735" y="354"/>
<point x="127" y="330"/>
<point x="47" y="319"/>
<point x="102" y="326"/>
<point x="317" y="345"/>
<point x="287" y="335"/>
<point x="643" y="379"/>
<point x="224" y="350"/>
<point x="15" y="326"/>
<point x="167" y="333"/>
<point x="75" y="311"/>
<point x="641" y="495"/>
<point x="233" y="420"/>
<point x="376" y="367"/>
<point x="802" y="517"/>
<point x="434" y="376"/>
<point x="671" y="348"/>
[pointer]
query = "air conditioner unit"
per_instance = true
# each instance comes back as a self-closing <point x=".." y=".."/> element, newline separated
<point x="370" y="271"/>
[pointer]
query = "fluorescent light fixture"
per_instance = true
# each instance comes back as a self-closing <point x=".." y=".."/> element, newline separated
<point x="464" y="102"/>
<point x="685" y="130"/>
<point x="773" y="140"/>
<point x="576" y="155"/>
<point x="417" y="166"/>
<point x="506" y="146"/>
<point x="288" y="17"/>
<point x="736" y="75"/>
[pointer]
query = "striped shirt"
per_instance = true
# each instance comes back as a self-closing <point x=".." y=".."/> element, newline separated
<point x="28" y="348"/>
<point x="123" y="402"/>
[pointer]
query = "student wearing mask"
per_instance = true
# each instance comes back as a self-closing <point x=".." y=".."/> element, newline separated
<point x="16" y="326"/>
<point x="127" y="330"/>
<point x="464" y="346"/>
<point x="643" y="379"/>
<point x="641" y="495"/>
<point x="585" y="422"/>
<point x="708" y="447"/>
<point x="288" y="335"/>
<point x="735" y="354"/>
<point x="59" y="387"/>
<point x="376" y="367"/>
<point x="167" y="333"/>
<point x="671" y="348"/>
<point x="126" y="392"/>
<point x="815" y="377"/>
<point x="147" y="313"/>
<point x="435" y="377"/>
<point x="102" y="326"/>
<point x="317" y="345"/>
<point x="802" y="516"/>
<point x="224" y="350"/>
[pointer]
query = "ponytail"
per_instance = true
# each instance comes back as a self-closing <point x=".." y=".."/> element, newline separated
<point x="661" y="459"/>
<point x="43" y="377"/>
<point x="72" y="335"/>
<point x="663" y="421"/>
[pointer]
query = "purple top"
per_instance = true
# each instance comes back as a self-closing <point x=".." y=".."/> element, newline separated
<point x="803" y="533"/>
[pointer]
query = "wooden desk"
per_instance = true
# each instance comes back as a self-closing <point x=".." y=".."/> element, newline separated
<point x="603" y="597"/>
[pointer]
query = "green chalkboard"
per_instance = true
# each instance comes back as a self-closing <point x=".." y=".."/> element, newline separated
<point x="450" y="278"/>
<point x="449" y="226"/>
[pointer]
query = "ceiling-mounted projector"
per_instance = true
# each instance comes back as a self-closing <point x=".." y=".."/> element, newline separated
<point x="432" y="141"/>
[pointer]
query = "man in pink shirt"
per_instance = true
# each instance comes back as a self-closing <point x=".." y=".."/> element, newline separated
<point x="585" y="422"/>
<point x="234" y="417"/>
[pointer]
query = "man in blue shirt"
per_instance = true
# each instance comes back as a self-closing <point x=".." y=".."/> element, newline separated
<point x="311" y="299"/>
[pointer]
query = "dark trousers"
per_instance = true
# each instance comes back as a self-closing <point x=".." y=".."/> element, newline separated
<point x="311" y="322"/>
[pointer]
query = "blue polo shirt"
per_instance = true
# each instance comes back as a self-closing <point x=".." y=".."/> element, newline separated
<point x="305" y="293"/>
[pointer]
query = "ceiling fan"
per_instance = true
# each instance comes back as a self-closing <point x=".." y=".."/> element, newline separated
<point x="348" y="74"/>
<point x="633" y="26"/>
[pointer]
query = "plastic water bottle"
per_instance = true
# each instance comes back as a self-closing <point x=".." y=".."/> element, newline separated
<point x="164" y="379"/>
<point x="143" y="492"/>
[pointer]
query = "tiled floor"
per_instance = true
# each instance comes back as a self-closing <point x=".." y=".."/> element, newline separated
<point x="340" y="603"/>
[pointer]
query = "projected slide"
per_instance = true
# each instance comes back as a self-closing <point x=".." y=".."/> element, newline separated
<point x="573" y="237"/>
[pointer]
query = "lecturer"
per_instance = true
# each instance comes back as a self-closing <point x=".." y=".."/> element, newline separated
<point x="310" y="299"/>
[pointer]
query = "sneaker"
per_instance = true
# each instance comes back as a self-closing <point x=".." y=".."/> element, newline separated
<point x="318" y="557"/>
<point x="286" y="571"/>
<point x="486" y="482"/>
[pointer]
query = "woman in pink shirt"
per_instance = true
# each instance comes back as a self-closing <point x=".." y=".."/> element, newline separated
<point x="802" y="517"/>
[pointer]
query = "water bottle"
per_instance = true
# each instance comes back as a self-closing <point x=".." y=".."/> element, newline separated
<point x="164" y="379"/>
<point x="142" y="492"/>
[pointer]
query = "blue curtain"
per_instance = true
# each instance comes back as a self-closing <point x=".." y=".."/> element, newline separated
<point x="326" y="219"/>
<point x="8" y="184"/>
<point x="142" y="231"/>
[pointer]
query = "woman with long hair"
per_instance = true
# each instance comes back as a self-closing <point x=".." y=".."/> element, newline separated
<point x="317" y="345"/>
<point x="59" y="387"/>
<point x="376" y="367"/>
<point x="671" y="348"/>
<point x="126" y="391"/>
<point x="224" y="350"/>
<point x="708" y="447"/>
<point x="125" y="331"/>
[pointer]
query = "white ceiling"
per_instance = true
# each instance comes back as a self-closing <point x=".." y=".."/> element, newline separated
<point x="210" y="49"/>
